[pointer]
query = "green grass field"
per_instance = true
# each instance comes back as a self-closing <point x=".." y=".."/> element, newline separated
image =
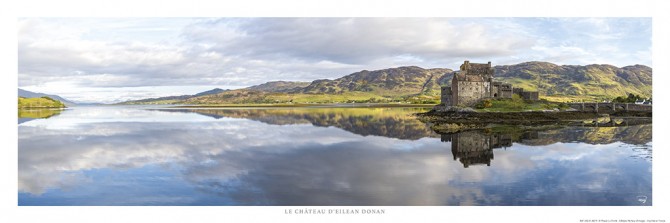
<point x="516" y="103"/>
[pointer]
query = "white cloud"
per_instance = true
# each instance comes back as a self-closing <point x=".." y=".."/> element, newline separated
<point x="112" y="53"/>
<point x="354" y="40"/>
<point x="562" y="54"/>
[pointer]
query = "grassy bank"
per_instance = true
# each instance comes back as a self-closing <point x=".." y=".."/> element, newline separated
<point x="523" y="113"/>
<point x="524" y="117"/>
<point x="459" y="121"/>
<point x="517" y="104"/>
<point x="43" y="102"/>
<point x="528" y="117"/>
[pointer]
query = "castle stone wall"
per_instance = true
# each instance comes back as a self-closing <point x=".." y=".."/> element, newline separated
<point x="445" y="97"/>
<point x="530" y="95"/>
<point x="471" y="92"/>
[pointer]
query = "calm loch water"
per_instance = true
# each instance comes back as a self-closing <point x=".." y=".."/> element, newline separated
<point x="318" y="156"/>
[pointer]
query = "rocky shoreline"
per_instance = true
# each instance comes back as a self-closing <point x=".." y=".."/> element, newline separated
<point x="463" y="119"/>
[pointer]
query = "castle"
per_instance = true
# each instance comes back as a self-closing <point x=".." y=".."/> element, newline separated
<point x="475" y="82"/>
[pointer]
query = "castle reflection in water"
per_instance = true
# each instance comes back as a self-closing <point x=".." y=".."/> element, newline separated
<point x="476" y="147"/>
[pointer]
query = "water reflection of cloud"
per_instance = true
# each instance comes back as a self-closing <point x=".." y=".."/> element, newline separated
<point x="330" y="157"/>
<point x="71" y="118"/>
<point x="247" y="162"/>
<point x="129" y="145"/>
<point x="600" y="171"/>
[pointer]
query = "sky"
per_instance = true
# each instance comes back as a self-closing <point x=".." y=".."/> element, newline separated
<point x="112" y="60"/>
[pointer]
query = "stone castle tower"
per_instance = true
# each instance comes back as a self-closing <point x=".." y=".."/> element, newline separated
<point x="474" y="82"/>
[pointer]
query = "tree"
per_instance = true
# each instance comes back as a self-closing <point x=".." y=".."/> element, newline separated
<point x="630" y="99"/>
<point x="486" y="103"/>
<point x="619" y="100"/>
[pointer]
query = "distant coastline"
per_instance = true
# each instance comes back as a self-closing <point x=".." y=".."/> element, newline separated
<point x="328" y="105"/>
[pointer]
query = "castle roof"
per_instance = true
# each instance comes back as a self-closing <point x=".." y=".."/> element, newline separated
<point x="479" y="67"/>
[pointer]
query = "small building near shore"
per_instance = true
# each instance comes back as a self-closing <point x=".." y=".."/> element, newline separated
<point x="474" y="82"/>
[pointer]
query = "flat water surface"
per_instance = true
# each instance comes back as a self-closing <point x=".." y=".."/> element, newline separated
<point x="143" y="155"/>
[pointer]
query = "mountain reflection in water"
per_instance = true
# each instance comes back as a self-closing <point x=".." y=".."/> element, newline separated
<point x="396" y="123"/>
<point x="320" y="156"/>
<point x="42" y="113"/>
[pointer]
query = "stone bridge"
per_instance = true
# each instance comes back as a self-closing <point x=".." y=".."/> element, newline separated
<point x="610" y="107"/>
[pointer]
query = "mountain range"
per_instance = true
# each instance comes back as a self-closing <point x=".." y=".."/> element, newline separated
<point x="597" y="81"/>
<point x="418" y="85"/>
<point x="174" y="99"/>
<point x="280" y="86"/>
<point x="394" y="123"/>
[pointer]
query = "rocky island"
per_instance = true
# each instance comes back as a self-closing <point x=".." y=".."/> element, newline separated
<point x="474" y="100"/>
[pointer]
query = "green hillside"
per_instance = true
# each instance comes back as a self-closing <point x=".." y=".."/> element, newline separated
<point x="244" y="96"/>
<point x="569" y="82"/>
<point x="280" y="86"/>
<point x="403" y="84"/>
<point x="30" y="94"/>
<point x="43" y="102"/>
<point x="393" y="82"/>
<point x="172" y="99"/>
<point x="418" y="85"/>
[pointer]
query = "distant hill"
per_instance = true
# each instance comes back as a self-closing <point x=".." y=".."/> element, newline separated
<point x="173" y="99"/>
<point x="41" y="102"/>
<point x="30" y="94"/>
<point x="418" y="85"/>
<point x="596" y="81"/>
<point x="400" y="84"/>
<point x="213" y="91"/>
<point x="280" y="86"/>
<point x="159" y="100"/>
<point x="392" y="82"/>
